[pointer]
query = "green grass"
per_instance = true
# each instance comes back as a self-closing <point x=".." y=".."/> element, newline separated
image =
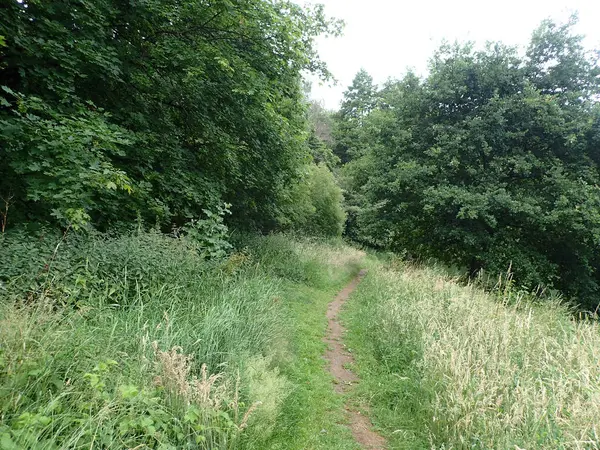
<point x="134" y="341"/>
<point x="312" y="416"/>
<point x="445" y="365"/>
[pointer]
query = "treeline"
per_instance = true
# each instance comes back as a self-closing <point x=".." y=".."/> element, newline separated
<point x="491" y="162"/>
<point x="116" y="110"/>
<point x="170" y="111"/>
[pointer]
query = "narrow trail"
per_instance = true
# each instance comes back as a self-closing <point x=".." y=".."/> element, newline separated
<point x="339" y="359"/>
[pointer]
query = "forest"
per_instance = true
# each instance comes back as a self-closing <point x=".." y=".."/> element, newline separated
<point x="177" y="214"/>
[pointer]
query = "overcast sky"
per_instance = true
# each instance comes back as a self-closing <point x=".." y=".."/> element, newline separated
<point x="387" y="36"/>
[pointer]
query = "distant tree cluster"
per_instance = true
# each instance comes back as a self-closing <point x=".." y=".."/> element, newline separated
<point x="490" y="162"/>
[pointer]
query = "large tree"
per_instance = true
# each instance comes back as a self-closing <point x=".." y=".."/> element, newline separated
<point x="163" y="108"/>
<point x="359" y="100"/>
<point x="320" y="140"/>
<point x="491" y="162"/>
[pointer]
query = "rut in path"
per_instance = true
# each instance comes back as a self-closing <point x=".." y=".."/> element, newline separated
<point x="339" y="358"/>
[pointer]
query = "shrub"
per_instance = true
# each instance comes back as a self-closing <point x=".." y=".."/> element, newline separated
<point x="209" y="235"/>
<point x="316" y="204"/>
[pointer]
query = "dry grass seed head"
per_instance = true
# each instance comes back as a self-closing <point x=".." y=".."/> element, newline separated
<point x="205" y="392"/>
<point x="174" y="369"/>
<point x="174" y="376"/>
<point x="248" y="414"/>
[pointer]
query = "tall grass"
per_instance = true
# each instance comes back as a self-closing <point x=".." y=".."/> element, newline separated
<point x="449" y="366"/>
<point x="135" y="341"/>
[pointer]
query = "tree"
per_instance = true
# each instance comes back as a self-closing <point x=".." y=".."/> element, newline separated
<point x="558" y="64"/>
<point x="322" y="121"/>
<point x="491" y="162"/>
<point x="320" y="140"/>
<point x="359" y="100"/>
<point x="162" y="108"/>
<point x="315" y="203"/>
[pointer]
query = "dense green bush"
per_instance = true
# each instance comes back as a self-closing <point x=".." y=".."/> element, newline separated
<point x="209" y="235"/>
<point x="316" y="203"/>
<point x="113" y="268"/>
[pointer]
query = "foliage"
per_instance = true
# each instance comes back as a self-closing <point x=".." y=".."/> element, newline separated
<point x="322" y="121"/>
<point x="329" y="217"/>
<point x="359" y="100"/>
<point x="209" y="235"/>
<point x="42" y="264"/>
<point x="491" y="163"/>
<point x="320" y="140"/>
<point x="315" y="203"/>
<point x="161" y="108"/>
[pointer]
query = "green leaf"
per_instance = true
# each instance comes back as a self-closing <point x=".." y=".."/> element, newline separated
<point x="128" y="391"/>
<point x="6" y="442"/>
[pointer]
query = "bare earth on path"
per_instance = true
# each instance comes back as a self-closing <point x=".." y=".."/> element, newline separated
<point x="339" y="358"/>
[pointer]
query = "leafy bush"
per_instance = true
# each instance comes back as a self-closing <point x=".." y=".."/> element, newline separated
<point x="316" y="204"/>
<point x="42" y="264"/>
<point x="209" y="235"/>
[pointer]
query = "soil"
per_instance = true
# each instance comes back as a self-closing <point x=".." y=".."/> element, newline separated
<point x="339" y="359"/>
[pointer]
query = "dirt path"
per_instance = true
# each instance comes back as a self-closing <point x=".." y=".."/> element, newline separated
<point x="339" y="358"/>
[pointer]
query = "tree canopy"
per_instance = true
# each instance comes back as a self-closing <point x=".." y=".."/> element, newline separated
<point x="160" y="108"/>
<point x="490" y="162"/>
<point x="359" y="100"/>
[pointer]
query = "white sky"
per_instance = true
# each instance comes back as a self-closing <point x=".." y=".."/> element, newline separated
<point x="387" y="36"/>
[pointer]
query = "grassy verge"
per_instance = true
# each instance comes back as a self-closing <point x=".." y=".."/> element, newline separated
<point x="134" y="341"/>
<point x="313" y="414"/>
<point x="449" y="366"/>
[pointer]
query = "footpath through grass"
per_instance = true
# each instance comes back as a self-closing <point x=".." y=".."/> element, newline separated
<point x="135" y="341"/>
<point x="313" y="415"/>
<point x="448" y="366"/>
